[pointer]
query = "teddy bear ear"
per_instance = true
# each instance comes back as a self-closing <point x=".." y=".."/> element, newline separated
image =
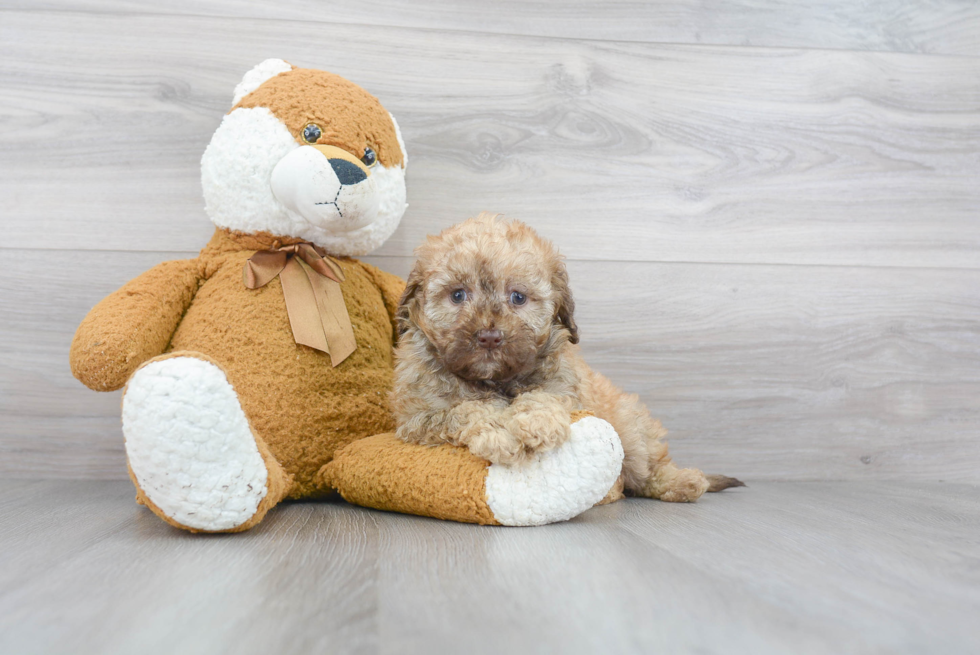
<point x="401" y="142"/>
<point x="258" y="75"/>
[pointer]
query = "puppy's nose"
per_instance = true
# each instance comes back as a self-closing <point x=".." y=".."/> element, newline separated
<point x="489" y="339"/>
<point x="347" y="172"/>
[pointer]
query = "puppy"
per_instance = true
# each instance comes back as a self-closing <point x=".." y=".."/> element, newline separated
<point x="487" y="359"/>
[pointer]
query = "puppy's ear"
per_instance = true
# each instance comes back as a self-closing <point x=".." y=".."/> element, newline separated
<point x="565" y="306"/>
<point x="408" y="306"/>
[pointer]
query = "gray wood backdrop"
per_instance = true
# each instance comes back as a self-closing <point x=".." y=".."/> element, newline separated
<point x="770" y="209"/>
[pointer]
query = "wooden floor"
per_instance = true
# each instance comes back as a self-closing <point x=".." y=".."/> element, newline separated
<point x="778" y="567"/>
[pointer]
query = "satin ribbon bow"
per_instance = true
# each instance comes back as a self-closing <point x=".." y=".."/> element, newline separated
<point x="311" y="286"/>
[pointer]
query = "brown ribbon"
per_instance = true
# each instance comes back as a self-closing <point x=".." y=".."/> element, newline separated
<point x="311" y="286"/>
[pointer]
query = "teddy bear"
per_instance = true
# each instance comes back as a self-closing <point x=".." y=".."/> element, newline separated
<point x="260" y="370"/>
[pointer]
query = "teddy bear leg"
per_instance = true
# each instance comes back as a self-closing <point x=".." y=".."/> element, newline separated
<point x="192" y="454"/>
<point x="449" y="482"/>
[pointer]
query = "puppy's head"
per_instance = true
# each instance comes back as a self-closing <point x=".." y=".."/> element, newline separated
<point x="491" y="297"/>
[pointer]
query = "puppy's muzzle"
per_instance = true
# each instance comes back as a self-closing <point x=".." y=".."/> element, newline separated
<point x="489" y="339"/>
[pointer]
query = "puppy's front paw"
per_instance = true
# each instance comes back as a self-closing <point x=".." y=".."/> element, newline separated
<point x="539" y="426"/>
<point x="494" y="443"/>
<point x="540" y="429"/>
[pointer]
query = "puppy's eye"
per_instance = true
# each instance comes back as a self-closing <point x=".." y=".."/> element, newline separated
<point x="311" y="133"/>
<point x="518" y="298"/>
<point x="369" y="158"/>
<point x="458" y="296"/>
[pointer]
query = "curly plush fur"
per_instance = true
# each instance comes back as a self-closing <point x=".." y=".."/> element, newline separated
<point x="487" y="359"/>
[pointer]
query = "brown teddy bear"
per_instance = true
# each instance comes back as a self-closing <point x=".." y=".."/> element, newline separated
<point x="248" y="368"/>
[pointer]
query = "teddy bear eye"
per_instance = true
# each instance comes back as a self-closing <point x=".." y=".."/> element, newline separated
<point x="518" y="298"/>
<point x="311" y="133"/>
<point x="458" y="296"/>
<point x="369" y="158"/>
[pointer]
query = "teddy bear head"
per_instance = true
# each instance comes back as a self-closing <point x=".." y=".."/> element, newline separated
<point x="305" y="153"/>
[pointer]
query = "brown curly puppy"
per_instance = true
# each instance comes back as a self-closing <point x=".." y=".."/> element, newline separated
<point x="486" y="359"/>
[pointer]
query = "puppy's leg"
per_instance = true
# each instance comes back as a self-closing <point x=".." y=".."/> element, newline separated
<point x="483" y="429"/>
<point x="477" y="425"/>
<point x="669" y="483"/>
<point x="647" y="468"/>
<point x="540" y="420"/>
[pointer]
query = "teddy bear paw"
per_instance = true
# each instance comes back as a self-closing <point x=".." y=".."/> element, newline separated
<point x="189" y="445"/>
<point x="558" y="484"/>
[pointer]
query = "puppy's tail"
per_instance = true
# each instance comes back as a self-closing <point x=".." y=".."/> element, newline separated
<point x="719" y="482"/>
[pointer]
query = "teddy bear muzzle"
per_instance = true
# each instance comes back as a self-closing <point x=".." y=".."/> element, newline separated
<point x="326" y="186"/>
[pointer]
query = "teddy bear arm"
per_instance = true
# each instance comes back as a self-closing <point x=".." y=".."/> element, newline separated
<point x="133" y="324"/>
<point x="392" y="287"/>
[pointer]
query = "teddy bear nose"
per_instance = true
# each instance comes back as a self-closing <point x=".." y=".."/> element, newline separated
<point x="347" y="172"/>
<point x="489" y="339"/>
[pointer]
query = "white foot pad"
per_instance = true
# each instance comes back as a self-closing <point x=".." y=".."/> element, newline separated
<point x="190" y="446"/>
<point x="558" y="484"/>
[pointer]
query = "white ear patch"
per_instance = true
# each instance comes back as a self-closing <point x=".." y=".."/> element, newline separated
<point x="258" y="75"/>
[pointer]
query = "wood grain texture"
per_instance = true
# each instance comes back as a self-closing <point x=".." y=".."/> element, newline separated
<point x="630" y="151"/>
<point x="944" y="27"/>
<point x="774" y="568"/>
<point x="53" y="426"/>
<point x="778" y="249"/>
<point x="770" y="372"/>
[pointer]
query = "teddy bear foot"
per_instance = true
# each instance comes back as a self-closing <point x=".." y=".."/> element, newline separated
<point x="558" y="484"/>
<point x="191" y="451"/>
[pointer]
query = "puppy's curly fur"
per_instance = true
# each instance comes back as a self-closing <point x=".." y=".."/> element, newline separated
<point x="487" y="359"/>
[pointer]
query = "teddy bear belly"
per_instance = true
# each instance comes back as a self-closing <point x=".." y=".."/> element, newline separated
<point x="296" y="401"/>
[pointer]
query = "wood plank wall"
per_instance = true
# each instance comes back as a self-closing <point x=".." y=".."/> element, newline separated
<point x="771" y="210"/>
